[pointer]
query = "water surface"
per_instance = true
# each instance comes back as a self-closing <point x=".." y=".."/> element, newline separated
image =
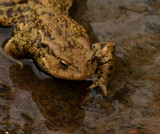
<point x="33" y="103"/>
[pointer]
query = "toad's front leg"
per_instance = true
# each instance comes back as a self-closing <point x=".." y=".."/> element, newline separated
<point x="105" y="54"/>
<point x="24" y="37"/>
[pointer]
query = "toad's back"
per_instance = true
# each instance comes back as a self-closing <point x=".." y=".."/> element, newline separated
<point x="59" y="45"/>
<point x="45" y="31"/>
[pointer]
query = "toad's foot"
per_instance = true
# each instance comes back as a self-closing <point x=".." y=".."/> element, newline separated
<point x="105" y="54"/>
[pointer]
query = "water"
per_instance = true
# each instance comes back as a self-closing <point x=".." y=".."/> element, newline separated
<point x="34" y="103"/>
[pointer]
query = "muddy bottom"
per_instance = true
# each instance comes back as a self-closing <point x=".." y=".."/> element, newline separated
<point x="32" y="102"/>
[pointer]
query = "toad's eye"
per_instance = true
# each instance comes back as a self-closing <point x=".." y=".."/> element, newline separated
<point x="63" y="64"/>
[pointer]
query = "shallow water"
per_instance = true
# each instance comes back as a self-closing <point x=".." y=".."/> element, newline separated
<point x="34" y="103"/>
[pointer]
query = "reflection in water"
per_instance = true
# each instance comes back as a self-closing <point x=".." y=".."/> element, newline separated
<point x="59" y="101"/>
<point x="6" y="96"/>
<point x="31" y="104"/>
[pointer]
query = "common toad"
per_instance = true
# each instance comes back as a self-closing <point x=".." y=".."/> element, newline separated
<point x="57" y="43"/>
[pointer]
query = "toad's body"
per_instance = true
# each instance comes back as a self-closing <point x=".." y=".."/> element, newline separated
<point x="58" y="44"/>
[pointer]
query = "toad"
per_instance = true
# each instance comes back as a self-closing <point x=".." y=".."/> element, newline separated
<point x="56" y="42"/>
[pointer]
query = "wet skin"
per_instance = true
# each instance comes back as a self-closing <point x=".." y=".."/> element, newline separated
<point x="58" y="44"/>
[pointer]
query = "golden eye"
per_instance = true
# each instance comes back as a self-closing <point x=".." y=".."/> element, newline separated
<point x="63" y="64"/>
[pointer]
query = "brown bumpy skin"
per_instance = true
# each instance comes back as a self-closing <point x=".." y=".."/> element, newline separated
<point x="59" y="45"/>
<point x="105" y="52"/>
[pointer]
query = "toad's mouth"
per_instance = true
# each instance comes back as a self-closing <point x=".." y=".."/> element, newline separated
<point x="75" y="75"/>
